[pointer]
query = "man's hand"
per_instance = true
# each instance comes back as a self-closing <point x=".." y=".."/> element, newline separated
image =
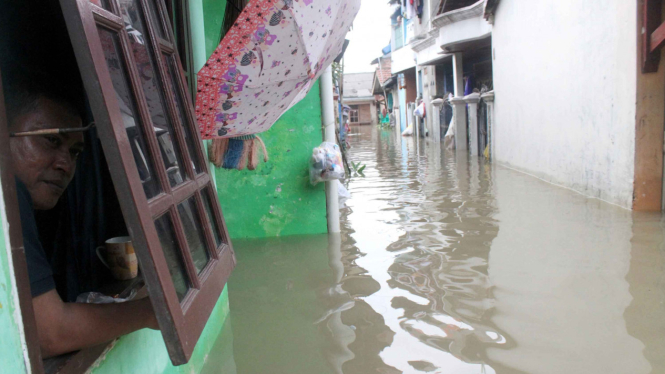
<point x="66" y="327"/>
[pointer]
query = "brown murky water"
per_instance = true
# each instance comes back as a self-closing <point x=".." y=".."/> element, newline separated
<point x="450" y="265"/>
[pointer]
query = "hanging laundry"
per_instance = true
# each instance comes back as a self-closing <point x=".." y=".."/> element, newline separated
<point x="419" y="9"/>
<point x="468" y="87"/>
<point x="410" y="10"/>
<point x="395" y="13"/>
<point x="237" y="153"/>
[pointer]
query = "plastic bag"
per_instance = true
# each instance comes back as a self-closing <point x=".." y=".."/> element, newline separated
<point x="342" y="194"/>
<point x="449" y="138"/>
<point x="325" y="163"/>
<point x="420" y="111"/>
<point x="342" y="191"/>
<point x="99" y="298"/>
<point x="408" y="131"/>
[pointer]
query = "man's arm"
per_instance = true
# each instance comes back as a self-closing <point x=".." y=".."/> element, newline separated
<point x="66" y="327"/>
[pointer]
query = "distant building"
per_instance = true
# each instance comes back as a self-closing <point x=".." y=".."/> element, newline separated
<point x="358" y="94"/>
<point x="573" y="96"/>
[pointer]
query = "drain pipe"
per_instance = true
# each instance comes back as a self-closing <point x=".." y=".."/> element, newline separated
<point x="328" y="119"/>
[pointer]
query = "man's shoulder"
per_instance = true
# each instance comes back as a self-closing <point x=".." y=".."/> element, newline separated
<point x="39" y="268"/>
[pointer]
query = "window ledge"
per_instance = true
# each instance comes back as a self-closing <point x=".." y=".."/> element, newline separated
<point x="471" y="11"/>
<point x="79" y="362"/>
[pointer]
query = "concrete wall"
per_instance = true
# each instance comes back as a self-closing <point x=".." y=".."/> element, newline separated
<point x="466" y="30"/>
<point x="277" y="199"/>
<point x="364" y="114"/>
<point x="411" y="85"/>
<point x="564" y="77"/>
<point x="402" y="59"/>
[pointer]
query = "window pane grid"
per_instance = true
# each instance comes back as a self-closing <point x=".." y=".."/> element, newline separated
<point x="192" y="138"/>
<point x="148" y="136"/>
<point x="214" y="217"/>
<point x="211" y="244"/>
<point x="146" y="120"/>
<point x="171" y="244"/>
<point x="156" y="20"/>
<point x="154" y="149"/>
<point x="152" y="80"/>
<point x="183" y="298"/>
<point x="164" y="74"/>
<point x="197" y="239"/>
<point x="184" y="247"/>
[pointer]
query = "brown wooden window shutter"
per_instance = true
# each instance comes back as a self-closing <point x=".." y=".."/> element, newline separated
<point x="145" y="119"/>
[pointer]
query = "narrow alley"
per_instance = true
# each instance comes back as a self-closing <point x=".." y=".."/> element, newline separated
<point x="452" y="265"/>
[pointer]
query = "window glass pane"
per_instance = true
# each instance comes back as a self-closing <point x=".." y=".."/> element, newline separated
<point x="102" y="4"/>
<point x="172" y="254"/>
<point x="154" y="18"/>
<point x="211" y="216"/>
<point x="190" y="138"/>
<point x="146" y="65"/>
<point x="191" y="222"/>
<point x="135" y="133"/>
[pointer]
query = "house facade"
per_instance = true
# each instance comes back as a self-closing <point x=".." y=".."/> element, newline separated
<point x="585" y="112"/>
<point x="357" y="94"/>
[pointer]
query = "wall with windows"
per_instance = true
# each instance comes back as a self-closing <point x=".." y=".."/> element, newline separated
<point x="565" y="83"/>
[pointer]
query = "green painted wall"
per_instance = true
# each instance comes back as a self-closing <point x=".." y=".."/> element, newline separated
<point x="11" y="347"/>
<point x="277" y="199"/>
<point x="213" y="15"/>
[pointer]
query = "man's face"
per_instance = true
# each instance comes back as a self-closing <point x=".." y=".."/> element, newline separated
<point x="46" y="163"/>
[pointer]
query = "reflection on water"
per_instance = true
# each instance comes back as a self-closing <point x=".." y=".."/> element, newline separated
<point x="450" y="265"/>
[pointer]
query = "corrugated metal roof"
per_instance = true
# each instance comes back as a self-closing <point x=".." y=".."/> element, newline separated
<point x="358" y="85"/>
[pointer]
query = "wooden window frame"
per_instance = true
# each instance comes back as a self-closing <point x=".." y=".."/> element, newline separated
<point x="181" y="322"/>
<point x="652" y="34"/>
<point x="355" y="112"/>
<point x="16" y="243"/>
<point x="178" y="11"/>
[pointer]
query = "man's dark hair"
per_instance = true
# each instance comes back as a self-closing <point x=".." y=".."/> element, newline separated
<point x="23" y="88"/>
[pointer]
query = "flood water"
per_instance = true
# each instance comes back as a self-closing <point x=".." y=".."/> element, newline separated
<point x="448" y="264"/>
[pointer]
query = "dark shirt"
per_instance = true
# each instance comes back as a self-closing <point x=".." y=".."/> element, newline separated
<point x="39" y="268"/>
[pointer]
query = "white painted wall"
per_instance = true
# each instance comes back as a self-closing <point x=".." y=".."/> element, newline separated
<point x="565" y="83"/>
<point x="402" y="59"/>
<point x="430" y="54"/>
<point x="466" y="30"/>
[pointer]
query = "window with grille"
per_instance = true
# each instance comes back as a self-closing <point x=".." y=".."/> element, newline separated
<point x="353" y="114"/>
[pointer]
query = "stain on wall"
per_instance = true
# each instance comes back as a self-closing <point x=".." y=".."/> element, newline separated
<point x="277" y="199"/>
